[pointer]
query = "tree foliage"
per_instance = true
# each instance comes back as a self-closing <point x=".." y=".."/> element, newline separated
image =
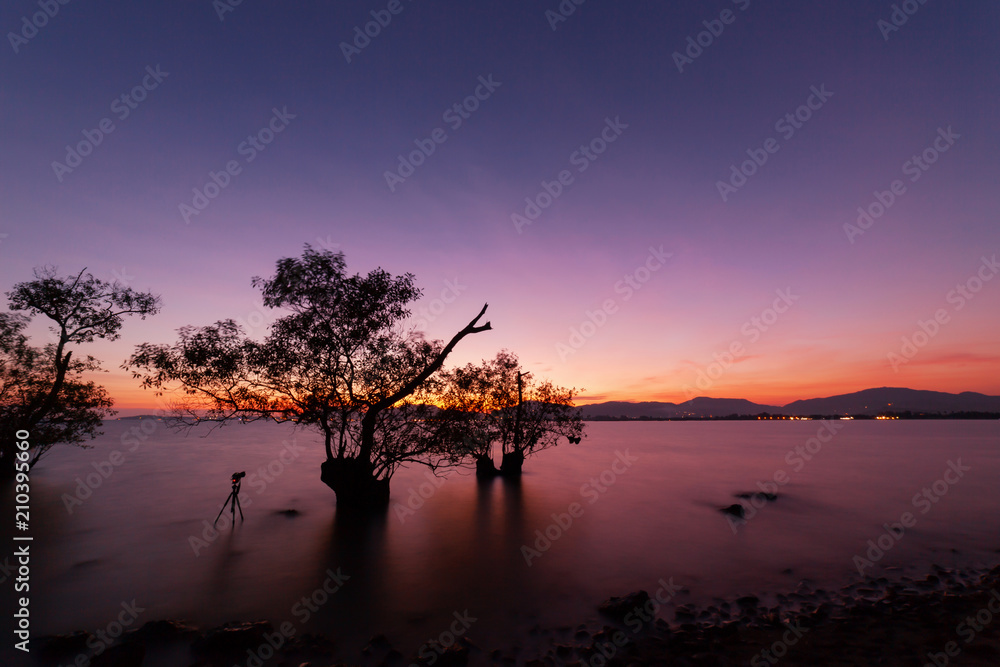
<point x="339" y="360"/>
<point x="496" y="405"/>
<point x="44" y="390"/>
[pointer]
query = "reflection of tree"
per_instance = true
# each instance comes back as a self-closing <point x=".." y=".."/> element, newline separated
<point x="42" y="390"/>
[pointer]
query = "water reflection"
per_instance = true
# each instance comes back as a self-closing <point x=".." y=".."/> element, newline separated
<point x="409" y="578"/>
<point x="461" y="546"/>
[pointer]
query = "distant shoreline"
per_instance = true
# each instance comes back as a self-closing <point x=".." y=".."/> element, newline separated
<point x="890" y="416"/>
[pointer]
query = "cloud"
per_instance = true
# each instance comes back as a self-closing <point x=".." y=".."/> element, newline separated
<point x="954" y="359"/>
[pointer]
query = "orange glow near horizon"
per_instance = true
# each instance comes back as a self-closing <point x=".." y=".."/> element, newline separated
<point x="129" y="397"/>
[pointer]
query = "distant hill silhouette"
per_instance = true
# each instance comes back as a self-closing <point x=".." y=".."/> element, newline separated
<point x="701" y="406"/>
<point x="886" y="399"/>
<point x="866" y="402"/>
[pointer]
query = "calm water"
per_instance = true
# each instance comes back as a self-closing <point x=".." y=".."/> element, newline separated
<point x="461" y="550"/>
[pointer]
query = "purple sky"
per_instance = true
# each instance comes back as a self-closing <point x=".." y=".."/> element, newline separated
<point x="648" y="207"/>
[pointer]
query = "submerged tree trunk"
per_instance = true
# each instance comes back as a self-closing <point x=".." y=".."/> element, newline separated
<point x="485" y="468"/>
<point x="512" y="463"/>
<point x="353" y="479"/>
<point x="368" y="422"/>
<point x="355" y="484"/>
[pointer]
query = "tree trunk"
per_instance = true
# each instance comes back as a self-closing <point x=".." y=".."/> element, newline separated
<point x="353" y="479"/>
<point x="485" y="468"/>
<point x="355" y="484"/>
<point x="327" y="440"/>
<point x="512" y="463"/>
<point x="370" y="419"/>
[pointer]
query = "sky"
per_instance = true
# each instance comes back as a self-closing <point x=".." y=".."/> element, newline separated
<point x="767" y="200"/>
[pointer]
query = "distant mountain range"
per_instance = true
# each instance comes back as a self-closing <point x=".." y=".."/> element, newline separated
<point x="866" y="402"/>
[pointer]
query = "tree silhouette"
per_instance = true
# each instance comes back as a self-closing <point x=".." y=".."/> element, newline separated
<point x="338" y="361"/>
<point x="496" y="405"/>
<point x="43" y="390"/>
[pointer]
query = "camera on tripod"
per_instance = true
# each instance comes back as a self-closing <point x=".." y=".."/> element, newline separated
<point x="233" y="500"/>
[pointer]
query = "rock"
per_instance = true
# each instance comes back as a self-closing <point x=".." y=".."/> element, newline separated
<point x="313" y="644"/>
<point x="233" y="638"/>
<point x="758" y="495"/>
<point x="684" y="613"/>
<point x="56" y="646"/>
<point x="163" y="631"/>
<point x="619" y="607"/>
<point x="379" y="641"/>
<point x="455" y="655"/>
<point x="125" y="655"/>
<point x="748" y="601"/>
<point x="734" y="510"/>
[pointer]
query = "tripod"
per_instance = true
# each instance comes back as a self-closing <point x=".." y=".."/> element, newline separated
<point x="233" y="500"/>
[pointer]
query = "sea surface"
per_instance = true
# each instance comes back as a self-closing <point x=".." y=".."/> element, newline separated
<point x="636" y="505"/>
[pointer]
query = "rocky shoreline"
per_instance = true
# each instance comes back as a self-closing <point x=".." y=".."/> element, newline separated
<point x="946" y="618"/>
